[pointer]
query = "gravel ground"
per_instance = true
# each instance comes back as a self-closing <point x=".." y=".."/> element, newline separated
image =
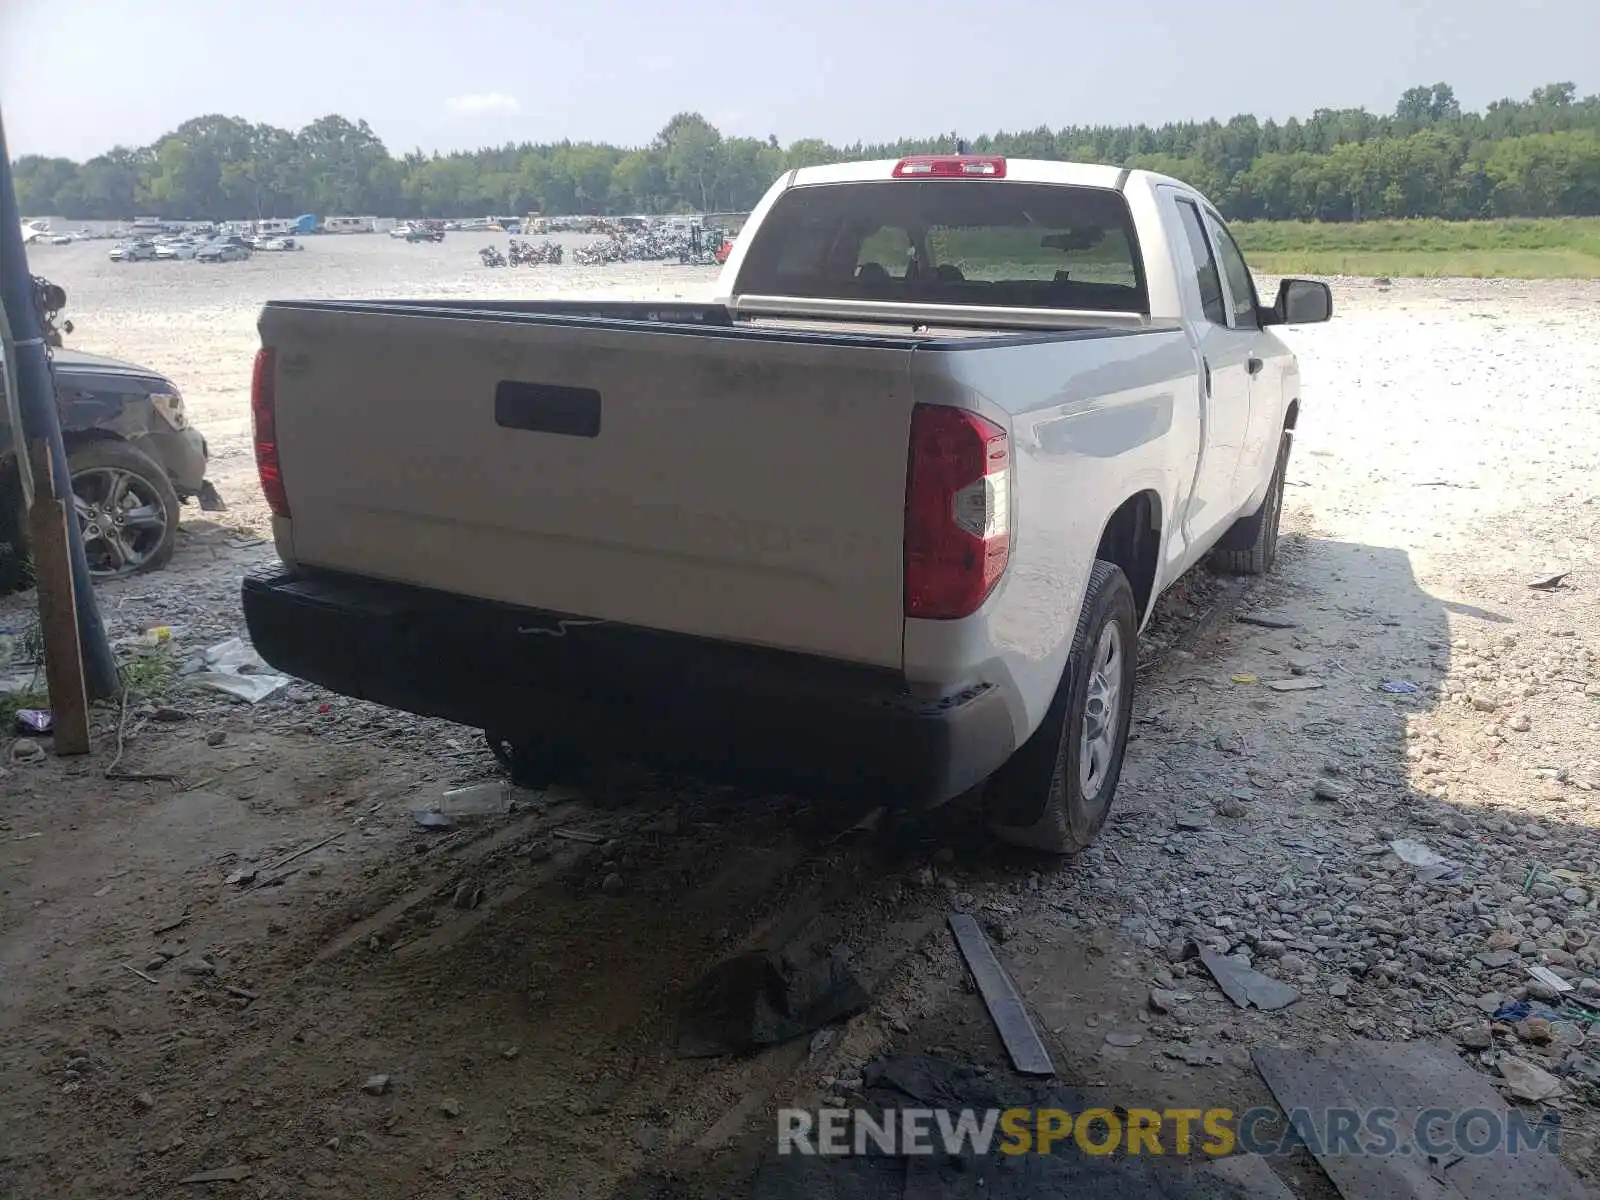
<point x="1446" y="459"/>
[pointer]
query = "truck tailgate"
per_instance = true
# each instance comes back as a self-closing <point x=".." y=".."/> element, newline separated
<point x="734" y="484"/>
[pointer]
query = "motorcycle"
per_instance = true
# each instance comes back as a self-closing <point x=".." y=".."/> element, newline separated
<point x="546" y="253"/>
<point x="492" y="257"/>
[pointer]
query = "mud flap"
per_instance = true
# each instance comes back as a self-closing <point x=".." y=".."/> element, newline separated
<point x="210" y="500"/>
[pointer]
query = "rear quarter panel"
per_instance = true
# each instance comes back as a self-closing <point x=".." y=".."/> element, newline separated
<point x="1092" y="423"/>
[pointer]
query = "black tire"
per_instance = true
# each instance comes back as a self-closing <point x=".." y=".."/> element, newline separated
<point x="1250" y="547"/>
<point x="87" y="462"/>
<point x="1044" y="798"/>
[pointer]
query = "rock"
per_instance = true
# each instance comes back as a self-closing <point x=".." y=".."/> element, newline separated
<point x="1292" y="963"/>
<point x="1327" y="789"/>
<point x="376" y="1085"/>
<point x="216" y="737"/>
<point x="1123" y="1040"/>
<point x="1485" y="703"/>
<point x="1534" y="1030"/>
<point x="169" y="715"/>
<point x="1520" y="723"/>
<point x="156" y="963"/>
<point x="199" y="967"/>
<point x="1540" y="990"/>
<point x="1339" y="988"/>
<point x="1575" y="895"/>
<point x="613" y="885"/>
<point x="469" y="895"/>
<point x="1524" y="1081"/>
<point x="1229" y="807"/>
<point x="145" y="1100"/>
<point x="1475" y="1037"/>
<point x="1162" y="1001"/>
<point x="1192" y="824"/>
<point x="450" y="1107"/>
<point x="25" y="751"/>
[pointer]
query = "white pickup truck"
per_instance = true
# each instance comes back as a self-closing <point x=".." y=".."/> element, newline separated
<point x="890" y="515"/>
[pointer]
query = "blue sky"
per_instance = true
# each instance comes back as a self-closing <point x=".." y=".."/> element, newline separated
<point x="77" y="76"/>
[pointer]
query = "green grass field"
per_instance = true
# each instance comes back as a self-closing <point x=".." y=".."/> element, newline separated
<point x="1558" y="248"/>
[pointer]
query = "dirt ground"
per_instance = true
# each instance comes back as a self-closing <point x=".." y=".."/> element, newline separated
<point x="203" y="972"/>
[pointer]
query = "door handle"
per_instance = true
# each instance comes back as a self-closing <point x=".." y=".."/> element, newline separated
<point x="1254" y="365"/>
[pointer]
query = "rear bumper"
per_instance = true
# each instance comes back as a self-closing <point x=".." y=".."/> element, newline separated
<point x="729" y="712"/>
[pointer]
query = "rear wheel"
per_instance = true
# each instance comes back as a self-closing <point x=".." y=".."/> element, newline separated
<point x="1250" y="547"/>
<point x="1055" y="793"/>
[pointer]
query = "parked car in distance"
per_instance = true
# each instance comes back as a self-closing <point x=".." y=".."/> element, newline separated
<point x="133" y="458"/>
<point x="888" y="518"/>
<point x="231" y="248"/>
<point x="177" y="248"/>
<point x="139" y="250"/>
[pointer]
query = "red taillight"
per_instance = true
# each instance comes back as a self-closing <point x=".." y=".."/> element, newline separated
<point x="950" y="166"/>
<point x="958" y="512"/>
<point x="263" y="411"/>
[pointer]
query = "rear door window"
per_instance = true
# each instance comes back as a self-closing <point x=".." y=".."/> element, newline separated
<point x="1206" y="276"/>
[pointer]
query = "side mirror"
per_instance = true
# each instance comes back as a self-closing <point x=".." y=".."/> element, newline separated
<point x="1300" y="302"/>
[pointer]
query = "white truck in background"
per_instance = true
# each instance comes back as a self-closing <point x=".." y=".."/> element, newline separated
<point x="891" y="515"/>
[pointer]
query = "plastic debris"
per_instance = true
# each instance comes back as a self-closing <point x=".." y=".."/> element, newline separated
<point x="234" y="668"/>
<point x="1401" y="687"/>
<point x="489" y="799"/>
<point x="1549" y="978"/>
<point x="34" y="720"/>
<point x="1244" y="677"/>
<point x="1430" y="864"/>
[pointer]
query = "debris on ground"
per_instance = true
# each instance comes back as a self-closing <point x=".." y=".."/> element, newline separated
<point x="1431" y="866"/>
<point x="376" y="1085"/>
<point x="234" y="668"/>
<point x="1409" y="1077"/>
<point x="763" y="997"/>
<point x="1246" y="986"/>
<point x="34" y="720"/>
<point x="1000" y="996"/>
<point x="231" y="1174"/>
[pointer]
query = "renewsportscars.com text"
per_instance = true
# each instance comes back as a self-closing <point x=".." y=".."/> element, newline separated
<point x="1440" y="1132"/>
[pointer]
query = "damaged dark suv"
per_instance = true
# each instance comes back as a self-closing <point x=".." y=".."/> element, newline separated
<point x="133" y="457"/>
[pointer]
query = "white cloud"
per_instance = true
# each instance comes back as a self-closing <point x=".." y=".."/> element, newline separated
<point x="479" y="104"/>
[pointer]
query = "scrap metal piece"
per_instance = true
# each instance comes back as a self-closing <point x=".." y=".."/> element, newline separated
<point x="1320" y="1086"/>
<point x="1245" y="986"/>
<point x="1001" y="998"/>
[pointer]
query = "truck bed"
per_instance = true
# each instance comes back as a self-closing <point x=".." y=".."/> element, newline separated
<point x="658" y="465"/>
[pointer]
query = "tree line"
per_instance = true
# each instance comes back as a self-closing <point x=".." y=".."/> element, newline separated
<point x="1537" y="157"/>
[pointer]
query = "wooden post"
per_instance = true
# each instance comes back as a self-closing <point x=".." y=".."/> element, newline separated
<point x="58" y="607"/>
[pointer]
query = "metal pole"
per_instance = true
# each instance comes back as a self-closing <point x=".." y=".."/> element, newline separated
<point x="36" y="401"/>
